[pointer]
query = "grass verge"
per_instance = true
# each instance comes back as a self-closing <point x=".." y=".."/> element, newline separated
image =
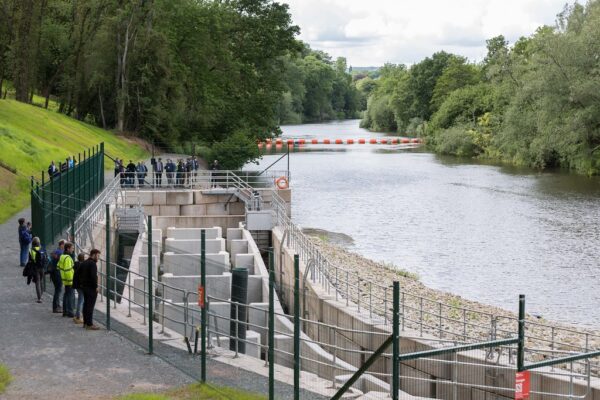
<point x="196" y="392"/>
<point x="5" y="378"/>
<point x="31" y="137"/>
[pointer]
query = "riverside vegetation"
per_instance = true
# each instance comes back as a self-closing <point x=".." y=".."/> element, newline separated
<point x="534" y="103"/>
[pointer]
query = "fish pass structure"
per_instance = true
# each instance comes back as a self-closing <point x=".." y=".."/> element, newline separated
<point x="213" y="265"/>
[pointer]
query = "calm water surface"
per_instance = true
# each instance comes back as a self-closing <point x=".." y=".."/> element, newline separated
<point x="484" y="232"/>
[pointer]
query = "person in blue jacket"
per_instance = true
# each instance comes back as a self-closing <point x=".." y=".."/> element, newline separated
<point x="24" y="240"/>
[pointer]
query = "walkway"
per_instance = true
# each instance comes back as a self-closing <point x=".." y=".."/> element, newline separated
<point x="41" y="349"/>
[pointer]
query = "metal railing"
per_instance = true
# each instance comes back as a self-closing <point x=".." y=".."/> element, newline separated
<point x="427" y="316"/>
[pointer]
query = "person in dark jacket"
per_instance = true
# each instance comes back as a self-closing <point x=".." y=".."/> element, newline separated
<point x="170" y="170"/>
<point x="88" y="282"/>
<point x="130" y="173"/>
<point x="55" y="277"/>
<point x="214" y="175"/>
<point x="24" y="240"/>
<point x="52" y="170"/>
<point x="158" y="170"/>
<point x="36" y="260"/>
<point x="77" y="287"/>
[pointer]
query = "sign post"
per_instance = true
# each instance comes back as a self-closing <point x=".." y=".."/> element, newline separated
<point x="522" y="383"/>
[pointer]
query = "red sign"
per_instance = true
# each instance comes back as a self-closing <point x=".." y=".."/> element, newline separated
<point x="522" y="385"/>
<point x="201" y="296"/>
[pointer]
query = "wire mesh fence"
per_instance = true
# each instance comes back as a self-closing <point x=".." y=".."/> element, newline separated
<point x="153" y="293"/>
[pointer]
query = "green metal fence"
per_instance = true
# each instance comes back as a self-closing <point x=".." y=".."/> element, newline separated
<point x="58" y="200"/>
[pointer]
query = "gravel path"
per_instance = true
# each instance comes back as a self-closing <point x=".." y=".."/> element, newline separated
<point x="52" y="358"/>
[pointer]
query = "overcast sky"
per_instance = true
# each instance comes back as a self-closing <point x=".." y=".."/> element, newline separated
<point x="372" y="32"/>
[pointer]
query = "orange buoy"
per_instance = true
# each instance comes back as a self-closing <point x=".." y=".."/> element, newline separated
<point x="278" y="141"/>
<point x="405" y="140"/>
<point x="416" y="140"/>
<point x="361" y="141"/>
<point x="373" y="141"/>
<point x="315" y="141"/>
<point x="350" y="141"/>
<point x="290" y="142"/>
<point x="394" y="141"/>
<point x="383" y="141"/>
<point x="339" y="141"/>
<point x="282" y="183"/>
<point x="301" y="141"/>
<point x="326" y="141"/>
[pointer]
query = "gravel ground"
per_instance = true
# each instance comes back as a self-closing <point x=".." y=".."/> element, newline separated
<point x="52" y="358"/>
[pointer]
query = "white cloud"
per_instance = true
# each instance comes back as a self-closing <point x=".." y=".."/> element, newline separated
<point x="378" y="31"/>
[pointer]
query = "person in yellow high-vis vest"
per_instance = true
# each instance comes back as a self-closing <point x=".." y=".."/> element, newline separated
<point x="67" y="272"/>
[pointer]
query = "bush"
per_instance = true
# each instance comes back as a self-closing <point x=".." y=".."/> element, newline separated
<point x="235" y="151"/>
<point x="458" y="141"/>
<point x="5" y="378"/>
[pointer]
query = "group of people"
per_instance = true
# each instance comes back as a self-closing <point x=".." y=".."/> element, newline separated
<point x="177" y="174"/>
<point x="69" y="274"/>
<point x="54" y="171"/>
<point x="131" y="173"/>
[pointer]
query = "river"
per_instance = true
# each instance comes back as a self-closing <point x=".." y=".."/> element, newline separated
<point x="485" y="232"/>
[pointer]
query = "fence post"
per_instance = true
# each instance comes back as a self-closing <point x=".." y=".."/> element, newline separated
<point x="396" y="341"/>
<point x="296" y="327"/>
<point x="202" y="301"/>
<point x="521" y="343"/>
<point x="107" y="267"/>
<point x="150" y="298"/>
<point x="271" y="325"/>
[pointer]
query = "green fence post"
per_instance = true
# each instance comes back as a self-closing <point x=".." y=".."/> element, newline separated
<point x="521" y="343"/>
<point x="271" y="340"/>
<point x="296" y="327"/>
<point x="73" y="236"/>
<point x="108" y="267"/>
<point x="102" y="165"/>
<point x="150" y="297"/>
<point x="202" y="301"/>
<point x="396" y="341"/>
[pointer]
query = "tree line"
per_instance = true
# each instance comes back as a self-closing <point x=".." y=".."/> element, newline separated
<point x="534" y="103"/>
<point x="220" y="74"/>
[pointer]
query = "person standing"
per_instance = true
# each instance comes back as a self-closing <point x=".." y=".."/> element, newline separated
<point x="130" y="174"/>
<point x="55" y="277"/>
<point x="88" y="282"/>
<point x="117" y="168"/>
<point x="37" y="259"/>
<point x="170" y="169"/>
<point x="52" y="170"/>
<point x="77" y="287"/>
<point x="141" y="173"/>
<point x="65" y="266"/>
<point x="24" y="240"/>
<point x="214" y="175"/>
<point x="158" y="170"/>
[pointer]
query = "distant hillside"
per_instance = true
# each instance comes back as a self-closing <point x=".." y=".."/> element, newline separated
<point x="31" y="137"/>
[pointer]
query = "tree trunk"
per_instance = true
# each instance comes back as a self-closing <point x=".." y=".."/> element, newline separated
<point x="101" y="110"/>
<point x="23" y="51"/>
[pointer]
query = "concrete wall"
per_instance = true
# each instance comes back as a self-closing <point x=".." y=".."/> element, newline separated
<point x="371" y="332"/>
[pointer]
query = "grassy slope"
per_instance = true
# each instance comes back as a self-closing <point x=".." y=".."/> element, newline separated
<point x="197" y="392"/>
<point x="5" y="378"/>
<point x="31" y="137"/>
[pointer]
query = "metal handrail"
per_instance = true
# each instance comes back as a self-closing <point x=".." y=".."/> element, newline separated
<point x="351" y="287"/>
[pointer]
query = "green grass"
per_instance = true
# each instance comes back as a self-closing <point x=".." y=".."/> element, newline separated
<point x="5" y="378"/>
<point x="31" y="137"/>
<point x="196" y="392"/>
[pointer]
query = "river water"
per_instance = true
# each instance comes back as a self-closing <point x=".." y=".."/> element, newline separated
<point x="485" y="232"/>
